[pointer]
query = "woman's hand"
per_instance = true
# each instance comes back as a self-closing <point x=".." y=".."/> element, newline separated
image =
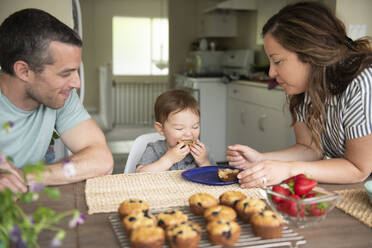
<point x="274" y="171"/>
<point x="199" y="152"/>
<point x="242" y="157"/>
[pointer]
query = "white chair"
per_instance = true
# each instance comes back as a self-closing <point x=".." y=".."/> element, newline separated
<point x="138" y="148"/>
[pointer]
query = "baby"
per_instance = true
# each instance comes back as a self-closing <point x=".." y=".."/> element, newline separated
<point x="177" y="117"/>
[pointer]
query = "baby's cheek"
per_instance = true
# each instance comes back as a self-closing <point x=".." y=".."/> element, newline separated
<point x="172" y="143"/>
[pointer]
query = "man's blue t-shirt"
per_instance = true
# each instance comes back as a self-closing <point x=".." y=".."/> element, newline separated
<point x="31" y="134"/>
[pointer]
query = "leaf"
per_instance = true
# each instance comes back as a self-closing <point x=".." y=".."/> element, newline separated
<point x="28" y="197"/>
<point x="52" y="193"/>
<point x="10" y="159"/>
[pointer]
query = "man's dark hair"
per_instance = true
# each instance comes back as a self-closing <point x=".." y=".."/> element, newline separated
<point x="25" y="35"/>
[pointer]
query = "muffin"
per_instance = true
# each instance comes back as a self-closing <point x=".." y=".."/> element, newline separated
<point x="147" y="237"/>
<point x="219" y="212"/>
<point x="223" y="232"/>
<point x="230" y="198"/>
<point x="186" y="142"/>
<point x="138" y="219"/>
<point x="227" y="175"/>
<point x="248" y="206"/>
<point x="171" y="217"/>
<point x="267" y="224"/>
<point x="184" y="235"/>
<point x="199" y="202"/>
<point x="132" y="205"/>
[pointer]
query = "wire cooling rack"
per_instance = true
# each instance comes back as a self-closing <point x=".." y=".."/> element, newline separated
<point x="247" y="238"/>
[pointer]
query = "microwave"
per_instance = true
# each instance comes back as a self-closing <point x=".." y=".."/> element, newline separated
<point x="204" y="62"/>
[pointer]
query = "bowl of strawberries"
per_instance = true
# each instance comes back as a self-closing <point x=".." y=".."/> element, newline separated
<point x="300" y="201"/>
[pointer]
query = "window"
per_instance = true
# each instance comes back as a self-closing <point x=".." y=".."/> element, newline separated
<point x="140" y="46"/>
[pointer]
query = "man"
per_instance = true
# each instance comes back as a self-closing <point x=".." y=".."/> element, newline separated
<point x="40" y="57"/>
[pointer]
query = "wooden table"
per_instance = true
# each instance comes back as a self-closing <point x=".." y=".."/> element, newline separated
<point x="337" y="230"/>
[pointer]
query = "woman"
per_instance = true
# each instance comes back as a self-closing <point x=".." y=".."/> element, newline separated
<point x="328" y="79"/>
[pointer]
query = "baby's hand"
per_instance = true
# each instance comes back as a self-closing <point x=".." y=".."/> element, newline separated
<point x="177" y="153"/>
<point x="199" y="153"/>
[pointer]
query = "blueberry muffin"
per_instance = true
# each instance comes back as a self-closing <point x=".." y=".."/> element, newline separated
<point x="227" y="174"/>
<point x="219" y="212"/>
<point x="267" y="224"/>
<point x="132" y="205"/>
<point x="184" y="235"/>
<point x="147" y="237"/>
<point x="248" y="206"/>
<point x="230" y="198"/>
<point x="188" y="142"/>
<point x="223" y="232"/>
<point x="138" y="219"/>
<point x="199" y="202"/>
<point x="171" y="217"/>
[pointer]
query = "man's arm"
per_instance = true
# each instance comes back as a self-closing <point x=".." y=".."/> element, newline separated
<point x="91" y="156"/>
<point x="11" y="177"/>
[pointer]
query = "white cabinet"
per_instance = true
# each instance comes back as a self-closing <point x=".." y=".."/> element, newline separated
<point x="218" y="24"/>
<point x="258" y="117"/>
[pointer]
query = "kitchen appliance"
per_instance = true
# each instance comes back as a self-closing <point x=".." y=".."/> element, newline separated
<point x="204" y="63"/>
<point x="238" y="62"/>
<point x="211" y="93"/>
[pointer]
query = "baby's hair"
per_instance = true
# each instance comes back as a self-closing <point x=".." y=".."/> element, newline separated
<point x="174" y="100"/>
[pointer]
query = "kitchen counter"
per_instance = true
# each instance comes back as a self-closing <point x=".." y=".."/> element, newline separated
<point x="272" y="85"/>
<point x="337" y="230"/>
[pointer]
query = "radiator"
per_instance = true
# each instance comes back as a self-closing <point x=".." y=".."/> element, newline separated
<point x="134" y="102"/>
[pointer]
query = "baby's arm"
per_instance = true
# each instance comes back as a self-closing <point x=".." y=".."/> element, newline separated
<point x="171" y="157"/>
<point x="199" y="152"/>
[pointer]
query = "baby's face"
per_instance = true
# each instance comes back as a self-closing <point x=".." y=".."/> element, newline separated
<point x="184" y="125"/>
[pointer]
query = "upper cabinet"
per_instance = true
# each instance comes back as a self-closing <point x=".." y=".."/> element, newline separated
<point x="216" y="24"/>
<point x="219" y="18"/>
<point x="233" y="5"/>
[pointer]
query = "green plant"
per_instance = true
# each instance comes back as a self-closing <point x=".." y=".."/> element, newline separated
<point x="21" y="229"/>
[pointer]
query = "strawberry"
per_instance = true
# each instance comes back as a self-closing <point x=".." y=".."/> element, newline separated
<point x="318" y="209"/>
<point x="309" y="195"/>
<point x="304" y="185"/>
<point x="288" y="180"/>
<point x="281" y="190"/>
<point x="290" y="207"/>
<point x="291" y="181"/>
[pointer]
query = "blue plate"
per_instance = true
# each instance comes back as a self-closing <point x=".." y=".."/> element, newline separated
<point x="206" y="175"/>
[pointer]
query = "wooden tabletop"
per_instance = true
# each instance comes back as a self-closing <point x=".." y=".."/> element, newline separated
<point x="337" y="230"/>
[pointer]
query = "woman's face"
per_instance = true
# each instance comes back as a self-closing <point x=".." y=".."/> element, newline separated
<point x="285" y="67"/>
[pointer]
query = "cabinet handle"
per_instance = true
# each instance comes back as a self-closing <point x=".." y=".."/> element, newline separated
<point x="261" y="122"/>
<point x="242" y="119"/>
<point x="235" y="91"/>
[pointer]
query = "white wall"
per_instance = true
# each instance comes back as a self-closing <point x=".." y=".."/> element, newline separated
<point x="97" y="37"/>
<point x="62" y="9"/>
<point x="355" y="12"/>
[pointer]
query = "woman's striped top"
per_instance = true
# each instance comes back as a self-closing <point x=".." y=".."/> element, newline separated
<point x="348" y="115"/>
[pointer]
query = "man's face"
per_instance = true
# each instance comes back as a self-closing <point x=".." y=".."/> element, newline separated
<point x="53" y="85"/>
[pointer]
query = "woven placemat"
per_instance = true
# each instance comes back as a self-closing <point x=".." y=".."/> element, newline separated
<point x="356" y="203"/>
<point x="161" y="190"/>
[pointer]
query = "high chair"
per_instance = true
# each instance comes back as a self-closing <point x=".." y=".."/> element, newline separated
<point x="138" y="148"/>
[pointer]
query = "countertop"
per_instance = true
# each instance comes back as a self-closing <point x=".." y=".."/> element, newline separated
<point x="337" y="230"/>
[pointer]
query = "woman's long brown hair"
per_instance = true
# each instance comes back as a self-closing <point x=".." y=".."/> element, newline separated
<point x="318" y="37"/>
